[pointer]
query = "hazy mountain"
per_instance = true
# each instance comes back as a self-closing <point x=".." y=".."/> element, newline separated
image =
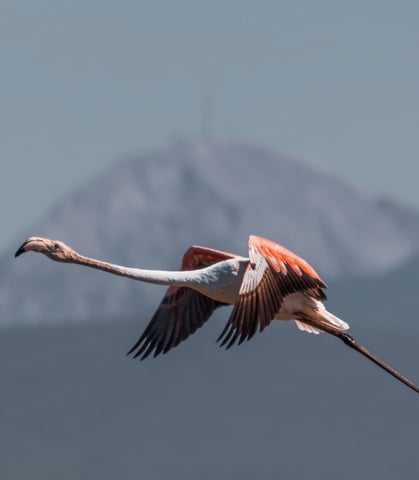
<point x="146" y="210"/>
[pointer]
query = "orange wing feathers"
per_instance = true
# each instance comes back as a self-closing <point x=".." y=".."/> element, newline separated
<point x="200" y="257"/>
<point x="280" y="257"/>
<point x="273" y="273"/>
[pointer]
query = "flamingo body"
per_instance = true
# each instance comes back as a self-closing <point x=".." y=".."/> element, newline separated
<point x="271" y="283"/>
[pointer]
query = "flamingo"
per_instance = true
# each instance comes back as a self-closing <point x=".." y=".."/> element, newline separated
<point x="271" y="283"/>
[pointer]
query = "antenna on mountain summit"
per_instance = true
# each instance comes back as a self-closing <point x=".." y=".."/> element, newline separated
<point x="207" y="117"/>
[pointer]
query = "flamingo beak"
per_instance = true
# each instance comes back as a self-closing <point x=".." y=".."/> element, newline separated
<point x="21" y="249"/>
<point x="30" y="242"/>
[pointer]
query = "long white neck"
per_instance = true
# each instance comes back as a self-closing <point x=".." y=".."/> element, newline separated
<point x="158" y="277"/>
<point x="220" y="281"/>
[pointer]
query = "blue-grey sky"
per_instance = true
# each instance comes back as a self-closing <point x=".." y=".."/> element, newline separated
<point x="84" y="83"/>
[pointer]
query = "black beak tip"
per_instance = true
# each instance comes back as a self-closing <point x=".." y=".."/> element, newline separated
<point x="20" y="250"/>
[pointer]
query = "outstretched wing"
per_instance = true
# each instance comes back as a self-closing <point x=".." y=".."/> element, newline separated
<point x="273" y="273"/>
<point x="182" y="310"/>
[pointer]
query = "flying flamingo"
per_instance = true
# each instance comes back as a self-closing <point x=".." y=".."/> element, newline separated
<point x="272" y="282"/>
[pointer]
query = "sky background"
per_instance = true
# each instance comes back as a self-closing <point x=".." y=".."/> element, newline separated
<point x="85" y="83"/>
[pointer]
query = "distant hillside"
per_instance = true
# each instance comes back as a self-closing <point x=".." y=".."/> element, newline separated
<point x="146" y="210"/>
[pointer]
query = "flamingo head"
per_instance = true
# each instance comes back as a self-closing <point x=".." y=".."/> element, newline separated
<point x="53" y="249"/>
